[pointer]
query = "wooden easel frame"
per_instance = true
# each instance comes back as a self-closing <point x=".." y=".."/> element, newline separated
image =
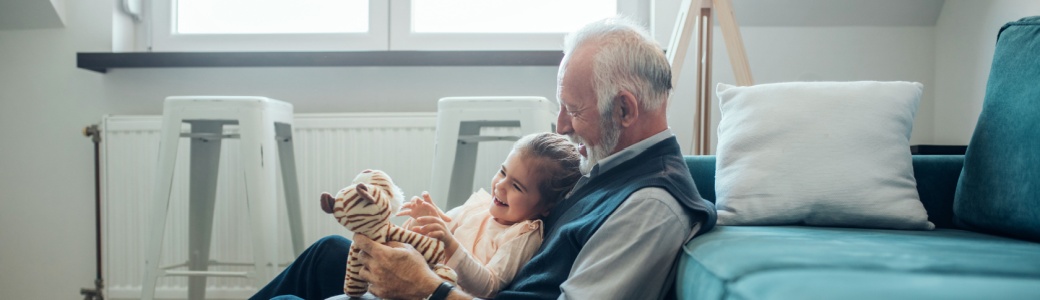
<point x="696" y="16"/>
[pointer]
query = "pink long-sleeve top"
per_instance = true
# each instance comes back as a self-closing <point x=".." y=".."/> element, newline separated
<point x="489" y="253"/>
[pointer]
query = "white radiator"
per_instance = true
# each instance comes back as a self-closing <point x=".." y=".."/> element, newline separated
<point x="330" y="150"/>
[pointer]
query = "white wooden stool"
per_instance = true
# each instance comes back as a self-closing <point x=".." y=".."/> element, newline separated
<point x="459" y="120"/>
<point x="264" y="128"/>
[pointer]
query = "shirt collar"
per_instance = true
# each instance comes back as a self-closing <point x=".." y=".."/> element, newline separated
<point x="629" y="152"/>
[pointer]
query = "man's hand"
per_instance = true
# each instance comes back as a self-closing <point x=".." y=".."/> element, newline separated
<point x="395" y="271"/>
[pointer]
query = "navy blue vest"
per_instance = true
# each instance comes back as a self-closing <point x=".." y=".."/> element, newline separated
<point x="575" y="219"/>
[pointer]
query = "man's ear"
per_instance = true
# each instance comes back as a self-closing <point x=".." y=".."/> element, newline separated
<point x="628" y="108"/>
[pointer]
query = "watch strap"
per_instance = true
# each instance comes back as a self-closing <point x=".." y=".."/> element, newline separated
<point x="442" y="291"/>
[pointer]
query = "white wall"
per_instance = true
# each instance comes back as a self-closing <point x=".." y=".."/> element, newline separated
<point x="333" y="89"/>
<point x="778" y="54"/>
<point x="827" y="52"/>
<point x="966" y="34"/>
<point x="46" y="165"/>
<point x="46" y="168"/>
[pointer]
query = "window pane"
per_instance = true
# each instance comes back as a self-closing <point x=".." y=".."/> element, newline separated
<point x="507" y="16"/>
<point x="271" y="16"/>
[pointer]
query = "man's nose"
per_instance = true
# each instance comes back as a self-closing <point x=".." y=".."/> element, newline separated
<point x="563" y="123"/>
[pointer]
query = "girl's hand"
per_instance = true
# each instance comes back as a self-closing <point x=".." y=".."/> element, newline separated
<point x="436" y="228"/>
<point x="422" y="207"/>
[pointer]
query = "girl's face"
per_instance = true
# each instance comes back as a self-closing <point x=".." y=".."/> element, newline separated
<point x="514" y="191"/>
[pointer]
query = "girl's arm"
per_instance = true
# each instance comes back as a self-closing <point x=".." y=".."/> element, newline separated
<point x="485" y="280"/>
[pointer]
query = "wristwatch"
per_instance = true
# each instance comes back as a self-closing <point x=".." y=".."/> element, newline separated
<point x="441" y="292"/>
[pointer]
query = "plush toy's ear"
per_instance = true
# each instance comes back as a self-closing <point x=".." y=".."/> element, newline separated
<point x="362" y="191"/>
<point x="328" y="203"/>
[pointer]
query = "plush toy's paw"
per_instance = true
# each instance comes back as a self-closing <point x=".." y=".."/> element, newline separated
<point x="446" y="273"/>
<point x="328" y="203"/>
<point x="355" y="288"/>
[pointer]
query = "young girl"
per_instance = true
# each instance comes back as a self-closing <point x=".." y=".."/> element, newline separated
<point x="489" y="237"/>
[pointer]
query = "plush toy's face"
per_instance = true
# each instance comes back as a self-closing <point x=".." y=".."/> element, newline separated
<point x="382" y="182"/>
<point x="366" y="205"/>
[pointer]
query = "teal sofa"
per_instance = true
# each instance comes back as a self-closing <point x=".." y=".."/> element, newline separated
<point x="985" y="205"/>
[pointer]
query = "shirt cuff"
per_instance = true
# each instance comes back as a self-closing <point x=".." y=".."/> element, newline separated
<point x="456" y="258"/>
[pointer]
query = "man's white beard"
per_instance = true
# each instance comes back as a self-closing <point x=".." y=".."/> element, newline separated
<point x="596" y="153"/>
<point x="610" y="135"/>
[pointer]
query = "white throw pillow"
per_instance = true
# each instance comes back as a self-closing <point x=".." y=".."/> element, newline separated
<point x="818" y="153"/>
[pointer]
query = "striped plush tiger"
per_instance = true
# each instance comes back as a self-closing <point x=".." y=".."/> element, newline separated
<point x="365" y="207"/>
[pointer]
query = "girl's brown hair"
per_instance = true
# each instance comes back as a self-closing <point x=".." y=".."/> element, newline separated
<point x="558" y="164"/>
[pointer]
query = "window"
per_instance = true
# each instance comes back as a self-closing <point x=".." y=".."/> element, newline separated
<point x="512" y="16"/>
<point x="374" y="25"/>
<point x="269" y="17"/>
<point x="268" y="25"/>
<point x="491" y="25"/>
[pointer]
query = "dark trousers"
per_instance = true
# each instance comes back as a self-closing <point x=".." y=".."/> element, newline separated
<point x="316" y="274"/>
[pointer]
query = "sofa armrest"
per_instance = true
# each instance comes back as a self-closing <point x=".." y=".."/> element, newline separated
<point x="702" y="167"/>
<point x="936" y="177"/>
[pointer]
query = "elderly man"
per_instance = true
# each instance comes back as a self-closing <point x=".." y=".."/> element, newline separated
<point x="618" y="233"/>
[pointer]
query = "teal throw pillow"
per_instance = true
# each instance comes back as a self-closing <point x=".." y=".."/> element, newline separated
<point x="999" y="187"/>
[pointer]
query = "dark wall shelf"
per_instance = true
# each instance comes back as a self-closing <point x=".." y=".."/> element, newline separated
<point x="102" y="61"/>
<point x="938" y="149"/>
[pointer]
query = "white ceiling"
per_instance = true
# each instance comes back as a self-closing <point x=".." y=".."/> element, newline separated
<point x="837" y="12"/>
<point x="32" y="14"/>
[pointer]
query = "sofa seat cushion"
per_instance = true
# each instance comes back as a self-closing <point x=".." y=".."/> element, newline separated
<point x="736" y="260"/>
<point x="873" y="284"/>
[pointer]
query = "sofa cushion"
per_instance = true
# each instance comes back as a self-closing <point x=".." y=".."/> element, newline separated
<point x="818" y="153"/>
<point x="871" y="284"/>
<point x="725" y="260"/>
<point x="999" y="188"/>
